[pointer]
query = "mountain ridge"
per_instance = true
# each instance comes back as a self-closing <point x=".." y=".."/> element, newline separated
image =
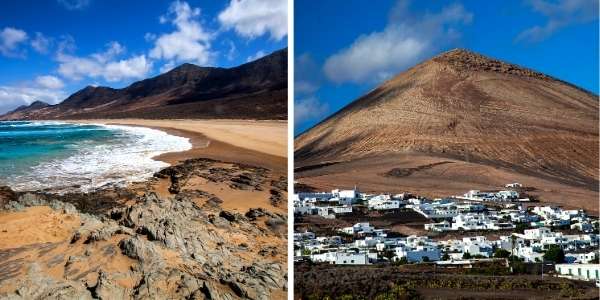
<point x="23" y="109"/>
<point x="461" y="52"/>
<point x="254" y="90"/>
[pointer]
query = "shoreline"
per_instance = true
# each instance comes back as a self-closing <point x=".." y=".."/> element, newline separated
<point x="208" y="142"/>
<point x="216" y="147"/>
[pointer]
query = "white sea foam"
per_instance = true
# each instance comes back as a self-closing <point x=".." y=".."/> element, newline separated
<point x="127" y="159"/>
<point x="33" y="123"/>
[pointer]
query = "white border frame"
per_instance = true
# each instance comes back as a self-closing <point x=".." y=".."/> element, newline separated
<point x="290" y="151"/>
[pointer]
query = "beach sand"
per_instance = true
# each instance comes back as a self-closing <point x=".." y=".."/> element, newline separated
<point x="258" y="143"/>
<point x="262" y="143"/>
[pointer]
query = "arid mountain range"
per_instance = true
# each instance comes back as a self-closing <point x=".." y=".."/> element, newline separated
<point x="256" y="90"/>
<point x="461" y="121"/>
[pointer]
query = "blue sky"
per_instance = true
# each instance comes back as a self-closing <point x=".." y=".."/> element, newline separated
<point x="50" y="49"/>
<point x="344" y="50"/>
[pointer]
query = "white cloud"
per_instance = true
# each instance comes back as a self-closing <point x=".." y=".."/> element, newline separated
<point x="74" y="4"/>
<point x="66" y="44"/>
<point x="13" y="96"/>
<point x="10" y="39"/>
<point x="253" y="18"/>
<point x="190" y="42"/>
<point x="404" y="41"/>
<point x="113" y="49"/>
<point x="307" y="75"/>
<point x="309" y="108"/>
<point x="41" y="43"/>
<point x="256" y="56"/>
<point x="49" y="82"/>
<point x="232" y="52"/>
<point x="149" y="37"/>
<point x="307" y="81"/>
<point x="560" y="14"/>
<point x="135" y="67"/>
<point x="167" y="67"/>
<point x="104" y="64"/>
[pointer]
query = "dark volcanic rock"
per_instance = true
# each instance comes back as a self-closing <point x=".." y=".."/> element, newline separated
<point x="231" y="217"/>
<point x="276" y="197"/>
<point x="6" y="195"/>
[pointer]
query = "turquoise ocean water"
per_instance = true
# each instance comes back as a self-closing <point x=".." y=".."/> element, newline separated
<point x="79" y="157"/>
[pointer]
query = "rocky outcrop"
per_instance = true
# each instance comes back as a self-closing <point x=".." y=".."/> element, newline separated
<point x="155" y="247"/>
<point x="37" y="285"/>
<point x="239" y="176"/>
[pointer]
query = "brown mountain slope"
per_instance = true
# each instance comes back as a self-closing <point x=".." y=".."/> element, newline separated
<point x="256" y="90"/>
<point x="23" y="111"/>
<point x="468" y="109"/>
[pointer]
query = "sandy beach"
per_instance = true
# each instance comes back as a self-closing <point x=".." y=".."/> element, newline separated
<point x="262" y="143"/>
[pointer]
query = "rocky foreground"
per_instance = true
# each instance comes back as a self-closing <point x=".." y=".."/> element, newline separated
<point x="167" y="238"/>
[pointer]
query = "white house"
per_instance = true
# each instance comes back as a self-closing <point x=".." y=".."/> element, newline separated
<point x="380" y="203"/>
<point x="536" y="233"/>
<point x="529" y="254"/>
<point x="507" y="195"/>
<point x="328" y="257"/>
<point x="583" y="225"/>
<point x="513" y="185"/>
<point x="583" y="258"/>
<point x="345" y="194"/>
<point x="358" y="228"/>
<point x="470" y="222"/>
<point x="477" y="245"/>
<point x="418" y="253"/>
<point x="579" y="271"/>
<point x="368" y="242"/>
<point x="315" y="196"/>
<point x="345" y="209"/>
<point x="343" y="258"/>
<point x="299" y="236"/>
<point x="438" y="227"/>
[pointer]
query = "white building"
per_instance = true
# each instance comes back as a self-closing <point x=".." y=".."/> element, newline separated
<point x="418" y="253"/>
<point x="438" y="227"/>
<point x="476" y="195"/>
<point x="358" y="228"/>
<point x="381" y="203"/>
<point x="343" y="258"/>
<point x="327" y="257"/>
<point x="530" y="254"/>
<point x="477" y="245"/>
<point x="507" y="195"/>
<point x="581" y="258"/>
<point x="536" y="233"/>
<point x="470" y="222"/>
<point x="316" y="196"/>
<point x="344" y="209"/>
<point x="513" y="185"/>
<point x="579" y="271"/>
<point x="345" y="194"/>
<point x="300" y="236"/>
